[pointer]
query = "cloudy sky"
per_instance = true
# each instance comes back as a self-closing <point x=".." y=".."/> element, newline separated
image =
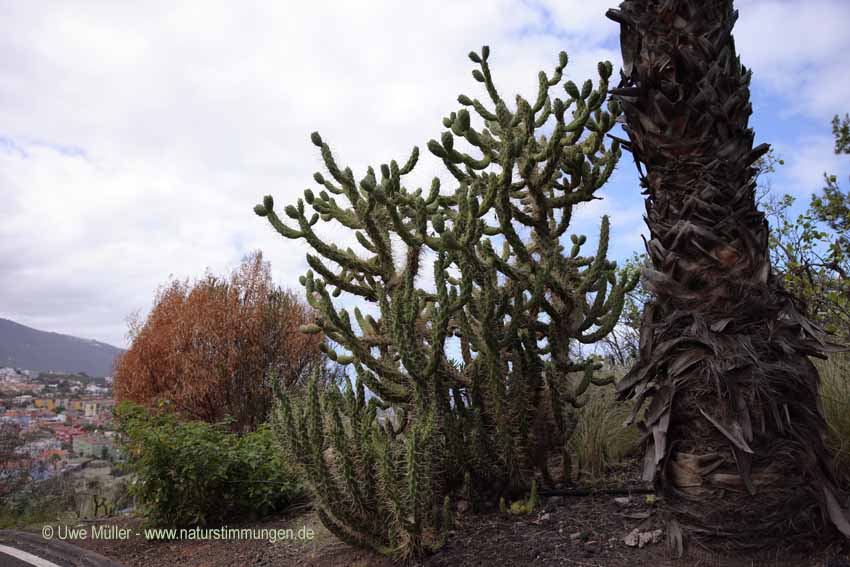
<point x="136" y="137"/>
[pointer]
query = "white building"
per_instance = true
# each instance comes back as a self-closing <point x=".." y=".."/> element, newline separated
<point x="11" y="376"/>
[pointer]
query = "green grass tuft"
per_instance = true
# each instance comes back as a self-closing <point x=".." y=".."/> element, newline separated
<point x="835" y="393"/>
<point x="601" y="441"/>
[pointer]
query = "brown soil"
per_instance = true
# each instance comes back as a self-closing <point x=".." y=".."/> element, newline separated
<point x="580" y="531"/>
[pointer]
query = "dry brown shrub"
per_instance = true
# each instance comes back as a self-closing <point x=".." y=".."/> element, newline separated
<point x="211" y="348"/>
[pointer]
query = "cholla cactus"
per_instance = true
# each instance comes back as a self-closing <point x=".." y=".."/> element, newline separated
<point x="373" y="484"/>
<point x="496" y="416"/>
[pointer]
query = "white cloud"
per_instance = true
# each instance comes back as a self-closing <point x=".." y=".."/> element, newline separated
<point x="805" y="164"/>
<point x="161" y="125"/>
<point x="84" y="245"/>
<point x="796" y="49"/>
<point x="135" y="138"/>
<point x="582" y="19"/>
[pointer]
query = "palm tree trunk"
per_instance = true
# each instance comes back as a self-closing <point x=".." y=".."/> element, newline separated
<point x="734" y="427"/>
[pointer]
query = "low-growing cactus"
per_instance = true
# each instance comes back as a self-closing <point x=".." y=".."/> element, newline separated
<point x="521" y="507"/>
<point x="373" y="484"/>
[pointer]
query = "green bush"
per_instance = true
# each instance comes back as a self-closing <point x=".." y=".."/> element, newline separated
<point x="40" y="502"/>
<point x="196" y="473"/>
<point x="835" y="394"/>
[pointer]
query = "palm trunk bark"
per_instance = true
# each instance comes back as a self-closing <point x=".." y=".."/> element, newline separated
<point x="734" y="427"/>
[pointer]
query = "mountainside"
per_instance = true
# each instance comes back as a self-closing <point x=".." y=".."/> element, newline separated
<point x="31" y="349"/>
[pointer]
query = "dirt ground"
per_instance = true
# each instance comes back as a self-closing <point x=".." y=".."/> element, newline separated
<point x="571" y="531"/>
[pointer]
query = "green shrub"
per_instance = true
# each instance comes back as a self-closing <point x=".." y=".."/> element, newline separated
<point x="40" y="502"/>
<point x="835" y="394"/>
<point x="196" y="473"/>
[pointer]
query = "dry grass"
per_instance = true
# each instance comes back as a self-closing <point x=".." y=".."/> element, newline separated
<point x="835" y="392"/>
<point x="601" y="441"/>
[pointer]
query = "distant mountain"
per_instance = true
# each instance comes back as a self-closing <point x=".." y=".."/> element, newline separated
<point x="30" y="349"/>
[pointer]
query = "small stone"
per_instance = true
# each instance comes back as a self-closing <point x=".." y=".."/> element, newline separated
<point x="639" y="539"/>
<point x="657" y="536"/>
<point x="544" y="517"/>
<point x="622" y="501"/>
<point x="645" y="538"/>
<point x="575" y="536"/>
